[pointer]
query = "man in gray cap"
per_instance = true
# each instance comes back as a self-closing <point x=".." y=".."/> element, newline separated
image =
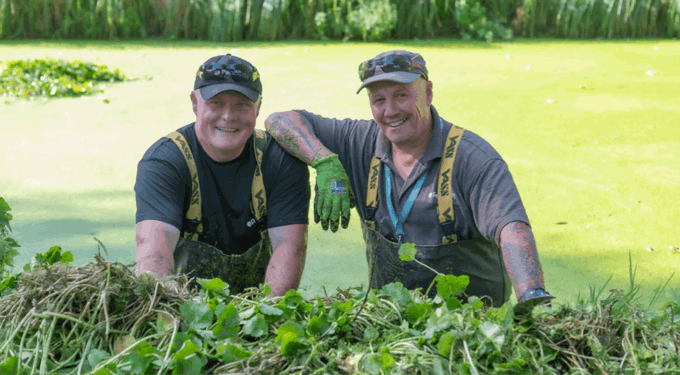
<point x="419" y="179"/>
<point x="217" y="198"/>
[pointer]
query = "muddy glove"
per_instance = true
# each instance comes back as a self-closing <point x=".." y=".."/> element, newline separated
<point x="333" y="195"/>
<point x="530" y="299"/>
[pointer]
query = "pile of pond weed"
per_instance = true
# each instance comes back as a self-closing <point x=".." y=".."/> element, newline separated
<point x="102" y="318"/>
<point x="52" y="78"/>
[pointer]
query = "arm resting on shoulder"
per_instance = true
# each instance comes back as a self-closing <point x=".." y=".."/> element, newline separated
<point x="292" y="131"/>
<point x="289" y="244"/>
<point x="156" y="243"/>
<point x="521" y="259"/>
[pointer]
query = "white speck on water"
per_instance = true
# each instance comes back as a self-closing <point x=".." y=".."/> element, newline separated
<point x="649" y="249"/>
<point x="58" y="53"/>
<point x="66" y="114"/>
<point x="507" y="57"/>
<point x="234" y="50"/>
<point x="588" y="226"/>
<point x="288" y="53"/>
<point x="528" y="67"/>
<point x="651" y="72"/>
<point x="306" y="49"/>
<point x="550" y="101"/>
<point x="656" y="48"/>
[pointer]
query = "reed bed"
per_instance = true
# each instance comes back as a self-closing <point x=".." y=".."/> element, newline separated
<point x="236" y="20"/>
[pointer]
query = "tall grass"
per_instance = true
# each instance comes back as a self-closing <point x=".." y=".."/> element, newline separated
<point x="233" y="20"/>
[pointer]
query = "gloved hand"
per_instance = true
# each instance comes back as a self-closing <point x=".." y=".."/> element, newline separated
<point x="333" y="195"/>
<point x="530" y="299"/>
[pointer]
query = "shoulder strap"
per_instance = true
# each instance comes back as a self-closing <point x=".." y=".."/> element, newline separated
<point x="194" y="213"/>
<point x="258" y="202"/>
<point x="445" y="185"/>
<point x="372" y="193"/>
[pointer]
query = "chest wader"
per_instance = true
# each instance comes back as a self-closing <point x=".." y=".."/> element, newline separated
<point x="200" y="260"/>
<point x="478" y="259"/>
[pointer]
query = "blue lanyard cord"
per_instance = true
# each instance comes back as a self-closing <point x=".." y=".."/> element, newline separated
<point x="398" y="223"/>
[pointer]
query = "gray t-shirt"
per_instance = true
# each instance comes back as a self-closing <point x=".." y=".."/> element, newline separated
<point x="485" y="197"/>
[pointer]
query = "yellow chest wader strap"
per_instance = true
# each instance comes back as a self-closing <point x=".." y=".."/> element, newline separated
<point x="258" y="195"/>
<point x="445" y="200"/>
<point x="372" y="193"/>
<point x="258" y="201"/>
<point x="194" y="213"/>
<point x="445" y="184"/>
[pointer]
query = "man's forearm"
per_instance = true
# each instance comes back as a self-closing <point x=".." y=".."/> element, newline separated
<point x="160" y="262"/>
<point x="292" y="131"/>
<point x="285" y="267"/>
<point x="521" y="258"/>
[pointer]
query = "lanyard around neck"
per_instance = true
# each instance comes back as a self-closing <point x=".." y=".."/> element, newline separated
<point x="398" y="222"/>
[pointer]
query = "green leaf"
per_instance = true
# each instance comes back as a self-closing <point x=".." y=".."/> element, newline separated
<point x="387" y="361"/>
<point x="371" y="363"/>
<point x="198" y="315"/>
<point x="450" y="285"/>
<point x="453" y="303"/>
<point x="96" y="356"/>
<point x="371" y="334"/>
<point x="288" y="335"/>
<point x="492" y="332"/>
<point x="255" y="326"/>
<point x="232" y="353"/>
<point x="269" y="310"/>
<point x="53" y="255"/>
<point x="267" y="289"/>
<point x="9" y="366"/>
<point x="397" y="292"/>
<point x="192" y="365"/>
<point x="186" y="350"/>
<point x="317" y="325"/>
<point x="407" y="252"/>
<point x="66" y="257"/>
<point x="440" y="320"/>
<point x="444" y="344"/>
<point x="227" y="323"/>
<point x="215" y="284"/>
<point x="415" y="312"/>
<point x="292" y="299"/>
<point x="440" y="366"/>
<point x="138" y="363"/>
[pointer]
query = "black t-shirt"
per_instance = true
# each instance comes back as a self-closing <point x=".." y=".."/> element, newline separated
<point x="163" y="189"/>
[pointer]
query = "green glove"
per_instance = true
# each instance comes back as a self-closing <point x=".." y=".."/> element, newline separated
<point x="334" y="198"/>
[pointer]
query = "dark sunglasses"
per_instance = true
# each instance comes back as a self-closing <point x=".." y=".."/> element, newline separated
<point x="236" y="72"/>
<point x="393" y="63"/>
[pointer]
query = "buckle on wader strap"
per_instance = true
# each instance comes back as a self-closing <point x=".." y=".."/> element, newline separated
<point x="258" y="201"/>
<point x="444" y="187"/>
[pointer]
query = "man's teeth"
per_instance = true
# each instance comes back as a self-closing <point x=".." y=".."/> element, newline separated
<point x="227" y="130"/>
<point x="395" y="124"/>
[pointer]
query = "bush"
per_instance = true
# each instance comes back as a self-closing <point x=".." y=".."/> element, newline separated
<point x="373" y="20"/>
<point x="473" y="23"/>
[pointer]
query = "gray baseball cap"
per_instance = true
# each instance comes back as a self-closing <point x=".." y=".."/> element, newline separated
<point x="396" y="66"/>
<point x="228" y="73"/>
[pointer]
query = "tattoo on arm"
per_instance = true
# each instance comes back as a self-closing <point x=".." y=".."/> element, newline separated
<point x="292" y="132"/>
<point x="521" y="258"/>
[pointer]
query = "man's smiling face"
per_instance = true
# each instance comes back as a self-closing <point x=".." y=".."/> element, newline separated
<point x="402" y="110"/>
<point x="224" y="123"/>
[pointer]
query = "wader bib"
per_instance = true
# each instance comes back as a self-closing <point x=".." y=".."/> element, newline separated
<point x="201" y="260"/>
<point x="477" y="258"/>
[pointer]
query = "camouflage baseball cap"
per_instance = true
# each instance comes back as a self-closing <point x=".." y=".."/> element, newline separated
<point x="397" y="66"/>
<point x="228" y="73"/>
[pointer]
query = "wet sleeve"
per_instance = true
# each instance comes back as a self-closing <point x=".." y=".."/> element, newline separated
<point x="287" y="182"/>
<point x="495" y="200"/>
<point x="159" y="188"/>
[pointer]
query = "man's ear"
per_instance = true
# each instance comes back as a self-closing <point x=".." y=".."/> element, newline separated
<point x="429" y="93"/>
<point x="194" y="102"/>
<point x="259" y="105"/>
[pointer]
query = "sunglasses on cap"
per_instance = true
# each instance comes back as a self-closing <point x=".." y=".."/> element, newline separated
<point x="391" y="63"/>
<point x="241" y="72"/>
